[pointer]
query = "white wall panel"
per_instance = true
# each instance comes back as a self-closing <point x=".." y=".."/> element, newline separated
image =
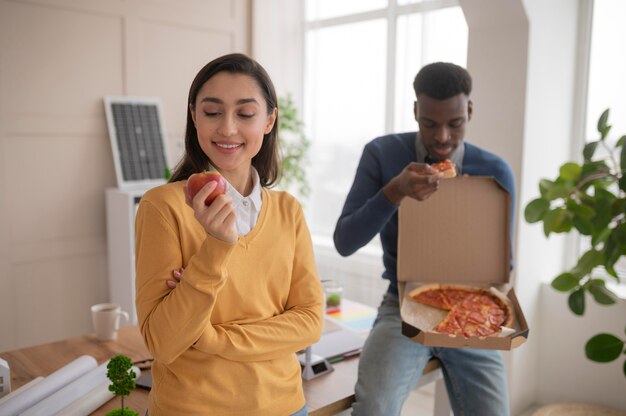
<point x="58" y="59"/>
<point x="61" y="196"/>
<point x="175" y="54"/>
<point x="56" y="66"/>
<point x="53" y="298"/>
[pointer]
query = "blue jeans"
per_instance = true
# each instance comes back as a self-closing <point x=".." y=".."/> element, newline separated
<point x="391" y="364"/>
<point x="301" y="412"/>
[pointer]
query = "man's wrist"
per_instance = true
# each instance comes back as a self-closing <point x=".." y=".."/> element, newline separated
<point x="392" y="193"/>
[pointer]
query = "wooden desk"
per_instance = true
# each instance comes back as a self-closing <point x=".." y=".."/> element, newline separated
<point x="325" y="395"/>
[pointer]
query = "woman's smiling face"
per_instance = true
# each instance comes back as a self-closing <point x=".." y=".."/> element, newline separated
<point x="231" y="118"/>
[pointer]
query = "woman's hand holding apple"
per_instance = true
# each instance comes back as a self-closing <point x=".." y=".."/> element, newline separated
<point x="218" y="218"/>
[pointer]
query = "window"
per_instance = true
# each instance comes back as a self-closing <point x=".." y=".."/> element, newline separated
<point x="361" y="58"/>
<point x="607" y="66"/>
<point x="607" y="86"/>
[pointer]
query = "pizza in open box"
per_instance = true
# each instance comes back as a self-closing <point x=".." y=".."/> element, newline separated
<point x="472" y="311"/>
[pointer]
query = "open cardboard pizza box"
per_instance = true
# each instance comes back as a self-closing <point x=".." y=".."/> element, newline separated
<point x="460" y="235"/>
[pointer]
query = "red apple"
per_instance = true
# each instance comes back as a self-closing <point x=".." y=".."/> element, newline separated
<point x="198" y="180"/>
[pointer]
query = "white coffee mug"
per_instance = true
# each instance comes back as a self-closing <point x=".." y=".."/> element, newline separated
<point x="106" y="320"/>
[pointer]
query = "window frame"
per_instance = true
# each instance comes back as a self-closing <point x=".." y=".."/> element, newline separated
<point x="391" y="13"/>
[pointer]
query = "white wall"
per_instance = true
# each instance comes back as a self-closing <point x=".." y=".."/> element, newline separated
<point x="550" y="114"/>
<point x="498" y="61"/>
<point x="527" y="101"/>
<point x="277" y="43"/>
<point x="58" y="58"/>
<point x="566" y="375"/>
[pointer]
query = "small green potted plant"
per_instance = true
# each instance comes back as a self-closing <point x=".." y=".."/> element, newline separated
<point x="119" y="371"/>
<point x="294" y="146"/>
<point x="589" y="198"/>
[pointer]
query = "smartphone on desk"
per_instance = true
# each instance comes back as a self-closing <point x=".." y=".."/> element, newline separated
<point x="145" y="381"/>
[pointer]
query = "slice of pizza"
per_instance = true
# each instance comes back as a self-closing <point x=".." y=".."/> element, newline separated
<point x="447" y="167"/>
<point x="472" y="311"/>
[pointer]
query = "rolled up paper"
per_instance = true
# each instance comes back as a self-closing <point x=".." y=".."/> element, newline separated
<point x="69" y="393"/>
<point x="5" y="378"/>
<point x="20" y="389"/>
<point x="92" y="400"/>
<point x="48" y="386"/>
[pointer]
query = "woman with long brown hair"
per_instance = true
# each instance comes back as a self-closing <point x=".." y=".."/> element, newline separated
<point x="224" y="338"/>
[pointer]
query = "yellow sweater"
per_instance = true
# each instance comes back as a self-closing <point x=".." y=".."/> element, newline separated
<point x="224" y="340"/>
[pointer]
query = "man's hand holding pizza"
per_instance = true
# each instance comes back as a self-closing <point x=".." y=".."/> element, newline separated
<point x="417" y="180"/>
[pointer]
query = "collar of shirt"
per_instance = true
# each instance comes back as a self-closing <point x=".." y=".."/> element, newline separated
<point x="247" y="208"/>
<point x="456" y="157"/>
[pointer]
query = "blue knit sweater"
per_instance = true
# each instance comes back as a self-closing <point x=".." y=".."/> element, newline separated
<point x="367" y="211"/>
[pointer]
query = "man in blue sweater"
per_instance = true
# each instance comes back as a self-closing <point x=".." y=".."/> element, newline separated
<point x="391" y="168"/>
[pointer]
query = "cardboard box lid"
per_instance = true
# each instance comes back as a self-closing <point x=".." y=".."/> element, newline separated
<point x="460" y="234"/>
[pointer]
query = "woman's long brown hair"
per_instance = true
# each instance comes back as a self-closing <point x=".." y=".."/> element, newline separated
<point x="267" y="161"/>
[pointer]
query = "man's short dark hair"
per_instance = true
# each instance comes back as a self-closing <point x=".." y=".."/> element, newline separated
<point x="442" y="80"/>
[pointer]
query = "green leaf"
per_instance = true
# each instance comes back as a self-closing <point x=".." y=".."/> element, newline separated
<point x="605" y="132"/>
<point x="576" y="301"/>
<point x="558" y="220"/>
<point x="602" y="121"/>
<point x="605" y="195"/>
<point x="583" y="225"/>
<point x="620" y="141"/>
<point x="622" y="180"/>
<point x="624" y="368"/>
<point x="560" y="189"/>
<point x="603" y="348"/>
<point x="581" y="210"/>
<point x="619" y="236"/>
<point x="565" y="282"/>
<point x="582" y="216"/>
<point x="589" y="150"/>
<point x="612" y="254"/>
<point x="536" y="209"/>
<point x="544" y="186"/>
<point x="601" y="294"/>
<point x="587" y="262"/>
<point x="618" y="207"/>
<point x="600" y="236"/>
<point x="595" y="172"/>
<point x="570" y="171"/>
<point x="602" y="203"/>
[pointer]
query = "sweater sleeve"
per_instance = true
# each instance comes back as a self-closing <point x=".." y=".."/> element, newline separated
<point x="297" y="327"/>
<point x="366" y="210"/>
<point x="172" y="320"/>
<point x="505" y="176"/>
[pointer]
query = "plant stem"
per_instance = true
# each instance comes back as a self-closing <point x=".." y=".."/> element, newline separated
<point x="611" y="156"/>
<point x="594" y="177"/>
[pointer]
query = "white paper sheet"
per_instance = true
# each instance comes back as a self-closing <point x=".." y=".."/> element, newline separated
<point x="69" y="393"/>
<point x="20" y="389"/>
<point x="92" y="400"/>
<point x="49" y="385"/>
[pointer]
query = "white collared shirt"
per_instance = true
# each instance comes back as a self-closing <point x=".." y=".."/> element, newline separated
<point x="247" y="208"/>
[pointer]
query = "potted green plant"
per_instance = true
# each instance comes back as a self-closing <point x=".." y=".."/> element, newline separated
<point x="589" y="198"/>
<point x="294" y="146"/>
<point x="119" y="371"/>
